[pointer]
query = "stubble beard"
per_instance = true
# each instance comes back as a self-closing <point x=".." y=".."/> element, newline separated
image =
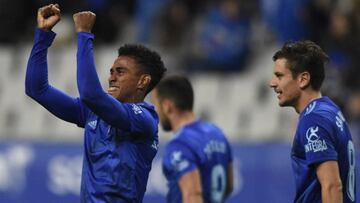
<point x="166" y="125"/>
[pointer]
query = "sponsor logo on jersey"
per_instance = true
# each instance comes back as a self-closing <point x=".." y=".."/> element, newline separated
<point x="155" y="145"/>
<point x="315" y="144"/>
<point x="178" y="162"/>
<point x="136" y="109"/>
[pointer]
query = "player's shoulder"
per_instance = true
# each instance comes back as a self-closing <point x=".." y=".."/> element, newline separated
<point x="323" y="107"/>
<point x="198" y="133"/>
<point x="183" y="137"/>
<point x="320" y="112"/>
<point x="143" y="118"/>
<point x="141" y="107"/>
<point x="176" y="144"/>
<point x="200" y="128"/>
<point x="190" y="135"/>
<point x="214" y="130"/>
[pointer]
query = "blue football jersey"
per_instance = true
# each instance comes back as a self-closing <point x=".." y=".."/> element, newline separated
<point x="203" y="146"/>
<point x="120" y="139"/>
<point x="117" y="162"/>
<point x="322" y="135"/>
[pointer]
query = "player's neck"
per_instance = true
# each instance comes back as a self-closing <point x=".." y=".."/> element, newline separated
<point x="134" y="99"/>
<point x="306" y="98"/>
<point x="181" y="119"/>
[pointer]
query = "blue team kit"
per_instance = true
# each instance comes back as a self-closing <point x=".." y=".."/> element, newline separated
<point x="120" y="139"/>
<point x="203" y="146"/>
<point x="322" y="135"/>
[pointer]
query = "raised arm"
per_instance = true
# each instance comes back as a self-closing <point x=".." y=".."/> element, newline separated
<point x="91" y="93"/>
<point x="36" y="81"/>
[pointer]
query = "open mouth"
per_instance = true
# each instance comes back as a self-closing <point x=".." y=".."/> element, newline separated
<point x="112" y="89"/>
<point x="278" y="93"/>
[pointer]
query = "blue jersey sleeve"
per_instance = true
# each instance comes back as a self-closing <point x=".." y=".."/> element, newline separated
<point x="178" y="160"/>
<point x="317" y="138"/>
<point x="142" y="119"/>
<point x="129" y="117"/>
<point x="37" y="86"/>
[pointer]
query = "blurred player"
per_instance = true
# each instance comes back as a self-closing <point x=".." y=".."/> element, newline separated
<point x="323" y="155"/>
<point x="198" y="161"/>
<point x="120" y="138"/>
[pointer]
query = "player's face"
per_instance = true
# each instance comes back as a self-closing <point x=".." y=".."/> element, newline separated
<point x="159" y="107"/>
<point x="124" y="77"/>
<point x="283" y="83"/>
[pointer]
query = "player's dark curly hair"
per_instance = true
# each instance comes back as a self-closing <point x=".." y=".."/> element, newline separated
<point x="150" y="61"/>
<point x="304" y="56"/>
<point x="179" y="90"/>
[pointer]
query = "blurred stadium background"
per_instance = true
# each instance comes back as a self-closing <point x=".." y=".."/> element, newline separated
<point x="224" y="46"/>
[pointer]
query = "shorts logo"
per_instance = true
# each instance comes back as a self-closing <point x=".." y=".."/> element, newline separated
<point x="315" y="144"/>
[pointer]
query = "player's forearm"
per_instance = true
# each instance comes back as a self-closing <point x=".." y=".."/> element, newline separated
<point x="88" y="82"/>
<point x="36" y="81"/>
<point x="90" y="90"/>
<point x="192" y="198"/>
<point x="332" y="193"/>
<point x="37" y="86"/>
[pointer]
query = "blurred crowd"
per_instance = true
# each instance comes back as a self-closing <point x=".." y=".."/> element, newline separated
<point x="217" y="35"/>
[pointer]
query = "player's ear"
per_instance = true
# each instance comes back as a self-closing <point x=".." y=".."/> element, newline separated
<point x="167" y="106"/>
<point x="304" y="79"/>
<point x="144" y="81"/>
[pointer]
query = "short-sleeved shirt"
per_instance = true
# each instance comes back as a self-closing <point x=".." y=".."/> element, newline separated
<point x="198" y="145"/>
<point x="322" y="135"/>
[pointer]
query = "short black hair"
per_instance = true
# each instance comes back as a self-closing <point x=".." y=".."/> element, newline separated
<point x="304" y="56"/>
<point x="179" y="90"/>
<point x="150" y="61"/>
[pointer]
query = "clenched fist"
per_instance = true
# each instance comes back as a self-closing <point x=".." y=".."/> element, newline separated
<point x="48" y="16"/>
<point x="84" y="21"/>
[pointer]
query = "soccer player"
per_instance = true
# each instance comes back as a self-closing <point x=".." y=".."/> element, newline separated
<point x="198" y="160"/>
<point x="120" y="138"/>
<point x="323" y="156"/>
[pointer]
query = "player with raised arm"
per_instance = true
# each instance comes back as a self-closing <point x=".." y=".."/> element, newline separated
<point x="120" y="136"/>
<point x="323" y="156"/>
<point x="197" y="162"/>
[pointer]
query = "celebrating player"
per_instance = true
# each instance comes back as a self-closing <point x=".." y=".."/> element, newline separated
<point x="198" y="160"/>
<point x="323" y="155"/>
<point x="120" y="138"/>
